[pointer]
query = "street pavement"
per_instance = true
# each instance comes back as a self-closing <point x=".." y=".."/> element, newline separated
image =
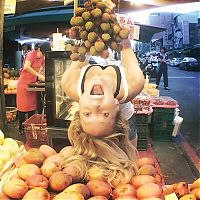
<point x="184" y="87"/>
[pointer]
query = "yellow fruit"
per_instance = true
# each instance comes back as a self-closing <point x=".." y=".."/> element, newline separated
<point x="188" y="197"/>
<point x="195" y="184"/>
<point x="196" y="192"/>
<point x="1" y="137"/>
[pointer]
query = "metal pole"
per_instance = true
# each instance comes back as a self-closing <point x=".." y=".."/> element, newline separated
<point x="3" y="123"/>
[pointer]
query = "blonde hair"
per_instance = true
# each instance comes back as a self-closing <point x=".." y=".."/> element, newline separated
<point x="114" y="155"/>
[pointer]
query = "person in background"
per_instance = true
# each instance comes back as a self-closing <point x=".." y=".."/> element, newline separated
<point x="26" y="100"/>
<point x="163" y="69"/>
<point x="154" y="63"/>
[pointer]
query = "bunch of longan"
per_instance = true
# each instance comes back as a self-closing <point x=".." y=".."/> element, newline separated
<point x="95" y="27"/>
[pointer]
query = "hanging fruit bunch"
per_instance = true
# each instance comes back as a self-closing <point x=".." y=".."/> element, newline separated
<point x="95" y="28"/>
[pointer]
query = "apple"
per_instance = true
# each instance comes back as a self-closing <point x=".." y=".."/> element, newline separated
<point x="79" y="187"/>
<point x="126" y="198"/>
<point x="98" y="198"/>
<point x="124" y="190"/>
<point x="71" y="195"/>
<point x="37" y="193"/>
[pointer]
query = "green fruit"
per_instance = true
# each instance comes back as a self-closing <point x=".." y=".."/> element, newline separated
<point x="106" y="17"/>
<point x="79" y="11"/>
<point x="96" y="13"/>
<point x="88" y="44"/>
<point x="72" y="21"/>
<point x="101" y="5"/>
<point x="105" y="37"/>
<point x="105" y="26"/>
<point x="86" y="15"/>
<point x="124" y="33"/>
<point x="116" y="29"/>
<point x="78" y="21"/>
<point x="82" y="50"/>
<point x="92" y="36"/>
<point x="99" y="46"/>
<point x="93" y="51"/>
<point x="89" y="26"/>
<point x="83" y="35"/>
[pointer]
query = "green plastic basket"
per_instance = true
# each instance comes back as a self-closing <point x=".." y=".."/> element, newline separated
<point x="142" y="131"/>
<point x="142" y="145"/>
<point x="142" y="118"/>
<point x="162" y="124"/>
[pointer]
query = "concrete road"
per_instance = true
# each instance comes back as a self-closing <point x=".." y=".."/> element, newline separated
<point x="185" y="87"/>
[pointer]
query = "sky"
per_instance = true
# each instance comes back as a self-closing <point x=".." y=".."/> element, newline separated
<point x="142" y="16"/>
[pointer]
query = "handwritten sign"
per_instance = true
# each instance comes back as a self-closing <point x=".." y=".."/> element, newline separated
<point x="127" y="22"/>
<point x="10" y="7"/>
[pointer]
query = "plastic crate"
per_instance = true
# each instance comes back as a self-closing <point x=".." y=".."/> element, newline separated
<point x="35" y="129"/>
<point x="142" y="131"/>
<point x="11" y="113"/>
<point x="142" y="118"/>
<point x="162" y="124"/>
<point x="142" y="145"/>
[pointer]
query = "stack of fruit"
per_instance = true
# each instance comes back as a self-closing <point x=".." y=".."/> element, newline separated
<point x="95" y="28"/>
<point x="39" y="175"/>
<point x="184" y="191"/>
<point x="10" y="80"/>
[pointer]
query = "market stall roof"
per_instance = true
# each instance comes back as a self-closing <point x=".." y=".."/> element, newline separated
<point x="123" y="5"/>
<point x="52" y="15"/>
<point x="147" y="32"/>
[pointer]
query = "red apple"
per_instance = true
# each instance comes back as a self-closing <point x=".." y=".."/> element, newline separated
<point x="124" y="190"/>
<point x="126" y="198"/>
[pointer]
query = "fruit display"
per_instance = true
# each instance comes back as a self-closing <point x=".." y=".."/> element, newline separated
<point x="150" y="89"/>
<point x="142" y="103"/>
<point x="183" y="190"/>
<point x="95" y="28"/>
<point x="11" y="76"/>
<point x="11" y="113"/>
<point x="164" y="101"/>
<point x="40" y="176"/>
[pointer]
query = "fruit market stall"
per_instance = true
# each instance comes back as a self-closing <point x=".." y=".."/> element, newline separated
<point x="38" y="173"/>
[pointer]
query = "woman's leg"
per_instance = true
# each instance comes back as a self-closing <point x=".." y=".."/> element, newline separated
<point x="21" y="117"/>
<point x="30" y="113"/>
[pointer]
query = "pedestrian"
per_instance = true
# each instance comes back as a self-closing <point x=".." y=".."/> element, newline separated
<point x="154" y="63"/>
<point x="163" y="68"/>
<point x="26" y="100"/>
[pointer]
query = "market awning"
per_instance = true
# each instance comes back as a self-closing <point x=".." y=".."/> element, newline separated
<point x="147" y="32"/>
<point x="42" y="16"/>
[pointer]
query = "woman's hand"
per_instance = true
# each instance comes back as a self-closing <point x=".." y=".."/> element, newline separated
<point x="126" y="44"/>
<point x="41" y="77"/>
<point x="109" y="4"/>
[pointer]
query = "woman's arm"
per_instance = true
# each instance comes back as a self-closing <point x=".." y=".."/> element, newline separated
<point x="134" y="75"/>
<point x="70" y="79"/>
<point x="28" y="68"/>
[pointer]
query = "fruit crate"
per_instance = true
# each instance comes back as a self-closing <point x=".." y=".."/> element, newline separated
<point x="142" y="131"/>
<point x="162" y="124"/>
<point x="142" y="145"/>
<point x="142" y="118"/>
<point x="35" y="129"/>
<point x="11" y="113"/>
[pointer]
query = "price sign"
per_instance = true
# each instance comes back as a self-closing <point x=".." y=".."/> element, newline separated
<point x="127" y="22"/>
